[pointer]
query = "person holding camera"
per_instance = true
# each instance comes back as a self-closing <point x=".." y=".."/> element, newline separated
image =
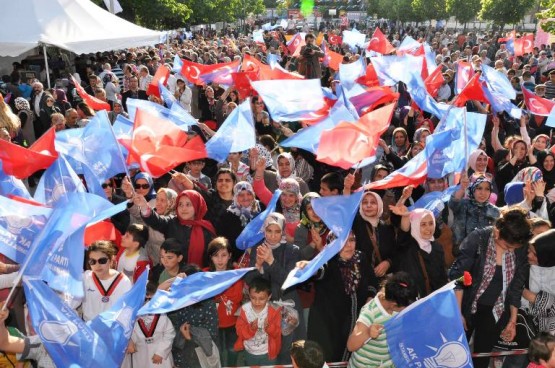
<point x="310" y="56"/>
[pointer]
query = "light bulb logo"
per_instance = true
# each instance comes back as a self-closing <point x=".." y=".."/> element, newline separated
<point x="57" y="332"/>
<point x="452" y="354"/>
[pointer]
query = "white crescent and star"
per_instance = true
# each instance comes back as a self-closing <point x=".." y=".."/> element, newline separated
<point x="196" y="69"/>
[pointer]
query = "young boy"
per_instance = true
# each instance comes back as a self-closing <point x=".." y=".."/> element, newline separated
<point x="540" y="351"/>
<point x="259" y="326"/>
<point x="307" y="354"/>
<point x="331" y="184"/>
<point x="196" y="176"/>
<point x="152" y="339"/>
<point x="132" y="258"/>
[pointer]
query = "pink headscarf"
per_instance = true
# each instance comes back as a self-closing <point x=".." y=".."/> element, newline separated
<point x="416" y="217"/>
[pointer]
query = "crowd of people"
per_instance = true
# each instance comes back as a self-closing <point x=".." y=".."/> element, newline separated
<point x="497" y="225"/>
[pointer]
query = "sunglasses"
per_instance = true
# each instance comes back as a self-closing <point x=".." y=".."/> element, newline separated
<point x="106" y="185"/>
<point x="101" y="261"/>
<point x="147" y="299"/>
<point x="142" y="186"/>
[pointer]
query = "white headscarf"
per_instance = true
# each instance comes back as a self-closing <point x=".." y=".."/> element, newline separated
<point x="374" y="221"/>
<point x="416" y="217"/>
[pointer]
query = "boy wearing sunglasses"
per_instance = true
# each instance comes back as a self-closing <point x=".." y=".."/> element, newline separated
<point x="103" y="284"/>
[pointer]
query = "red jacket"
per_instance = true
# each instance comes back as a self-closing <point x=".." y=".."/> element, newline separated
<point x="141" y="264"/>
<point x="228" y="302"/>
<point x="245" y="332"/>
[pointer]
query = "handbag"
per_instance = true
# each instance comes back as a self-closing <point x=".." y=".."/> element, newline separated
<point x="526" y="330"/>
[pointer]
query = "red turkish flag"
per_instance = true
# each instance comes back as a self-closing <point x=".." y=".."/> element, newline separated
<point x="472" y="91"/>
<point x="379" y="43"/>
<point x="370" y="79"/>
<point x="536" y="104"/>
<point x="524" y="45"/>
<point x="21" y="162"/>
<point x="162" y="74"/>
<point x="103" y="230"/>
<point x="434" y="81"/>
<point x="193" y="71"/>
<point x="93" y="102"/>
<point x="242" y="83"/>
<point x="334" y="39"/>
<point x="358" y="140"/>
<point x="159" y="145"/>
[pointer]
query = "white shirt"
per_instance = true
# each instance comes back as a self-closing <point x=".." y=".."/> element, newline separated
<point x="258" y="345"/>
<point x="92" y="302"/>
<point x="37" y="103"/>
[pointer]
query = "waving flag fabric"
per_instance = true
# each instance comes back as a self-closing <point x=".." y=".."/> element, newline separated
<point x="158" y="145"/>
<point x="473" y="90"/>
<point x="12" y="186"/>
<point x="338" y="213"/>
<point x="295" y="43"/>
<point x="93" y="102"/>
<point x="168" y="97"/>
<point x="536" y="104"/>
<point x="176" y="114"/>
<point x="373" y="97"/>
<point x="498" y="82"/>
<point x="358" y="140"/>
<point x="192" y="289"/>
<point x="392" y="69"/>
<point x="412" y="173"/>
<point x="56" y="181"/>
<point x="236" y="134"/>
<point x="253" y="233"/>
<point x="434" y="81"/>
<point x="242" y="82"/>
<point x="193" y="71"/>
<point x="22" y="162"/>
<point x="379" y="43"/>
<point x="435" y="201"/>
<point x="349" y="73"/>
<point x="221" y="75"/>
<point x="524" y="45"/>
<point x="354" y="38"/>
<point x="289" y="100"/>
<point x="334" y="39"/>
<point x="161" y="77"/>
<point x="465" y="71"/>
<point x="441" y="344"/>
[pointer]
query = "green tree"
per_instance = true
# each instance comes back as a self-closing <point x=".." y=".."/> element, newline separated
<point x="463" y="10"/>
<point x="429" y="9"/>
<point x="548" y="12"/>
<point x="501" y="13"/>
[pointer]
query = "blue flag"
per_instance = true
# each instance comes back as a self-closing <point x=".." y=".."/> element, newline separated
<point x="94" y="146"/>
<point x="499" y="103"/>
<point x="183" y="120"/>
<point x="291" y="99"/>
<point x="123" y="127"/>
<point x="71" y="212"/>
<point x="56" y="181"/>
<point x="308" y="138"/>
<point x="498" y="82"/>
<point x="20" y="223"/>
<point x="441" y="344"/>
<point x="12" y="186"/>
<point x="418" y="92"/>
<point x="70" y="342"/>
<point x="434" y="201"/>
<point x="192" y="289"/>
<point x="115" y="325"/>
<point x="236" y="134"/>
<point x="177" y="64"/>
<point x="438" y="153"/>
<point x="253" y="233"/>
<point x="168" y="97"/>
<point x="392" y="69"/>
<point x="338" y="213"/>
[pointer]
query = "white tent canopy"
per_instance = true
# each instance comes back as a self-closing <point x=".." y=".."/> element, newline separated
<point x="79" y="26"/>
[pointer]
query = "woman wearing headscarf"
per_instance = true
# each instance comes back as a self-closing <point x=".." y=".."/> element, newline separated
<point x="61" y="100"/>
<point x="286" y="170"/>
<point x="546" y="163"/>
<point x="274" y="258"/>
<point x="143" y="185"/>
<point x="166" y="200"/>
<point x="507" y="169"/>
<point x="117" y="110"/>
<point x="244" y="208"/>
<point x="419" y="255"/>
<point x="26" y="117"/>
<point x="375" y="239"/>
<point x="420" y="135"/>
<point x="187" y="226"/>
<point x="311" y="232"/>
<point x="45" y="116"/>
<point x="400" y="143"/>
<point x="474" y="212"/>
<point x="478" y="165"/>
<point x="496" y="258"/>
<point x="347" y="277"/>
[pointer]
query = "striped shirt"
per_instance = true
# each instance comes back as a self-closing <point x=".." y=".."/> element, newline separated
<point x="375" y="352"/>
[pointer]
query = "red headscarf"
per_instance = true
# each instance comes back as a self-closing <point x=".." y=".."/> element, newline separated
<point x="196" y="242"/>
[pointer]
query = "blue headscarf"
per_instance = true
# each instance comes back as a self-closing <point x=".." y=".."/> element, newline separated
<point x="152" y="192"/>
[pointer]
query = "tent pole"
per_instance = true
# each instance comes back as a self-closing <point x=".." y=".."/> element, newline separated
<point x="46" y="64"/>
<point x="112" y="7"/>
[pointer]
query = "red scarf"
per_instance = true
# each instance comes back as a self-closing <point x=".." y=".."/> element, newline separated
<point x="196" y="250"/>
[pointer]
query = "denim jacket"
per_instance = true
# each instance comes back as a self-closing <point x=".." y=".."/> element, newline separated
<point x="470" y="216"/>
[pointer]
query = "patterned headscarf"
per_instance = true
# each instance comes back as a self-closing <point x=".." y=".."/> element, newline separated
<point x="245" y="214"/>
<point x="472" y="188"/>
<point x="171" y="195"/>
<point x="305" y="220"/>
<point x="22" y="104"/>
<point x="291" y="160"/>
<point x="529" y="173"/>
<point x="292" y="214"/>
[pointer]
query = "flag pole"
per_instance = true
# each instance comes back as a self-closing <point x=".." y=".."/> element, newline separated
<point x="465" y="142"/>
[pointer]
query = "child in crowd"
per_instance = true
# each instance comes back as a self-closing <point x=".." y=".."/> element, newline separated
<point x="307" y="354"/>
<point x="541" y="351"/>
<point x="132" y="258"/>
<point x="171" y="258"/>
<point x="152" y="339"/>
<point x="228" y="302"/>
<point x="368" y="341"/>
<point x="196" y="176"/>
<point x="259" y="326"/>
<point x="331" y="184"/>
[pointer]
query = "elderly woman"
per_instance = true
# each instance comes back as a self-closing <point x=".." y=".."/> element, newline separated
<point x="286" y="170"/>
<point x="165" y="205"/>
<point x="496" y="258"/>
<point x="143" y="185"/>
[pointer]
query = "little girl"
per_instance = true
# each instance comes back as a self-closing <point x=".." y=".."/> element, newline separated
<point x="368" y="337"/>
<point x="541" y="350"/>
<point x="228" y="302"/>
<point x="152" y="339"/>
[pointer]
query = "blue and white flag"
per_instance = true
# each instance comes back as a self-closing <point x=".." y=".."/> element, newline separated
<point x="349" y="73"/>
<point x="115" y="325"/>
<point x="442" y="343"/>
<point x="20" y="224"/>
<point x="236" y="134"/>
<point x="498" y="82"/>
<point x="12" y="186"/>
<point x="435" y="201"/>
<point x="182" y="119"/>
<point x="338" y="213"/>
<point x="253" y="233"/>
<point x="168" y="97"/>
<point x="56" y="181"/>
<point x="192" y="289"/>
<point x="392" y="69"/>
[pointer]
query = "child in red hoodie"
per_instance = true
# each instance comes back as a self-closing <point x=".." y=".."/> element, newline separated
<point x="541" y="351"/>
<point x="259" y="326"/>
